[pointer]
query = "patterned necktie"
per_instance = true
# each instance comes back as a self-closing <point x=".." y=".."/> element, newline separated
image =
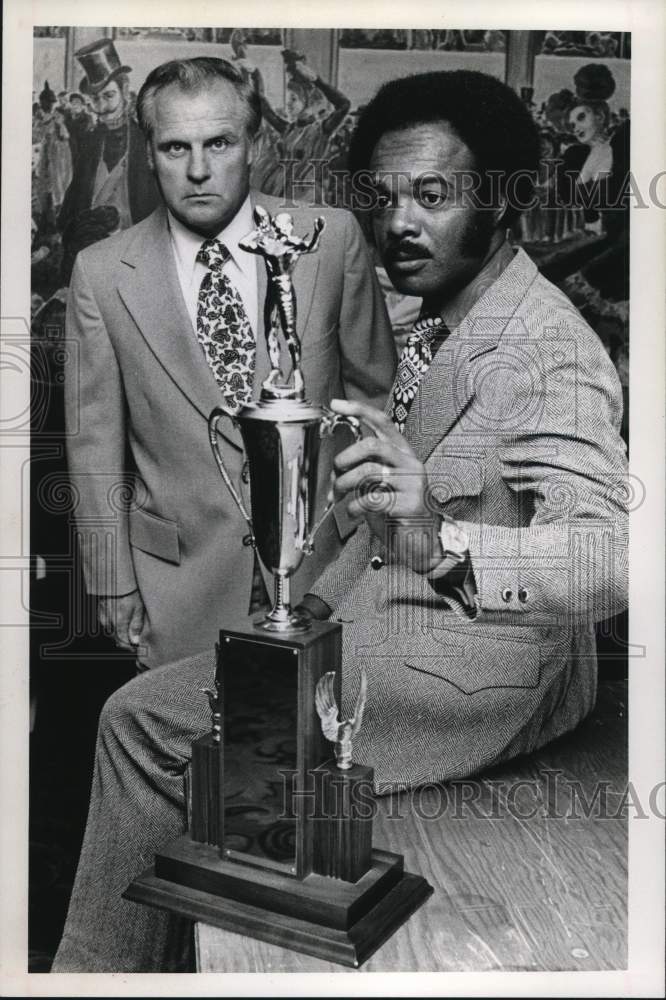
<point x="422" y="345"/>
<point x="223" y="328"/>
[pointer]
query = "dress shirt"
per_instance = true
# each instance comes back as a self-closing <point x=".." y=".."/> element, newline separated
<point x="241" y="268"/>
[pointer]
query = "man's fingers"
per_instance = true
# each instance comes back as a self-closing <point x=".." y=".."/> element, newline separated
<point x="367" y="475"/>
<point x="377" y="421"/>
<point x="122" y="619"/>
<point x="136" y="623"/>
<point x="122" y="632"/>
<point x="371" y="449"/>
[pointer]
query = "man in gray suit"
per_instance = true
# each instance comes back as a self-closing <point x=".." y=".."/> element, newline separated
<point x="150" y="364"/>
<point x="493" y="528"/>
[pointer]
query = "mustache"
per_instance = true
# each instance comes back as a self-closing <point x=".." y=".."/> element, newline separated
<point x="405" y="250"/>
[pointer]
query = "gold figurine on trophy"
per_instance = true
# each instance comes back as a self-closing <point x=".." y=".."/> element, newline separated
<point x="274" y="240"/>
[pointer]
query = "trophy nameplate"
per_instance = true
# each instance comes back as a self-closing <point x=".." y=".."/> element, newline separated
<point x="279" y="845"/>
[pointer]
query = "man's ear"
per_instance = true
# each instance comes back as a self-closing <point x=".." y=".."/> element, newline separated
<point x="252" y="149"/>
<point x="149" y="155"/>
<point x="500" y="211"/>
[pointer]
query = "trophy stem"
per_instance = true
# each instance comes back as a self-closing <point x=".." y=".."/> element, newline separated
<point x="281" y="618"/>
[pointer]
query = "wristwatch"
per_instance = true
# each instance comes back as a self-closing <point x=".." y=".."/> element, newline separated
<point x="453" y="539"/>
<point x="455" y="580"/>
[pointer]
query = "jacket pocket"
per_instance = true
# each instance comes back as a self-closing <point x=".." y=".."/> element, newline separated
<point x="156" y="535"/>
<point x="473" y="663"/>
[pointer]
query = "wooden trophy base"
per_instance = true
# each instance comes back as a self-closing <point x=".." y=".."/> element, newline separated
<point x="322" y="890"/>
<point x="344" y="922"/>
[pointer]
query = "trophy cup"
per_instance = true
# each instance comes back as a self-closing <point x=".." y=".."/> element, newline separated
<point x="281" y="432"/>
<point x="280" y="832"/>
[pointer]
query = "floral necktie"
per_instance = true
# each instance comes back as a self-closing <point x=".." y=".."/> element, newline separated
<point x="223" y="328"/>
<point x="422" y="345"/>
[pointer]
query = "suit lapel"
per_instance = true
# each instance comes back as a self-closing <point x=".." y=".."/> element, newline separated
<point x="151" y="291"/>
<point x="444" y="393"/>
<point x="448" y="387"/>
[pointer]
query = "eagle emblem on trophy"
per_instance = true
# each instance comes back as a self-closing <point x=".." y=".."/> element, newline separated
<point x="340" y="732"/>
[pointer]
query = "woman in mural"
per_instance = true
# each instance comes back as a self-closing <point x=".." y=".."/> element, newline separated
<point x="593" y="178"/>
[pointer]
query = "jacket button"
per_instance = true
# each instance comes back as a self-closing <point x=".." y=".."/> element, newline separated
<point x="507" y="595"/>
<point x="245" y="474"/>
<point x="377" y="562"/>
<point x="523" y="595"/>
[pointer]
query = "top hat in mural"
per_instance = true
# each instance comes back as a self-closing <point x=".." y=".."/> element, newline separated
<point x="101" y="64"/>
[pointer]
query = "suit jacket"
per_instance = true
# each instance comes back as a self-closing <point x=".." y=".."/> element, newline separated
<point x="143" y="194"/>
<point x="138" y="395"/>
<point x="517" y="424"/>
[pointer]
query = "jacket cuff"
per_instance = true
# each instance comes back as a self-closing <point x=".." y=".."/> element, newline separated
<point x="315" y="607"/>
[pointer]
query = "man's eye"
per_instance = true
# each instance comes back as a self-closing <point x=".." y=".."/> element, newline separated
<point x="432" y="198"/>
<point x="175" y="147"/>
<point x="219" y="144"/>
<point x="382" y="199"/>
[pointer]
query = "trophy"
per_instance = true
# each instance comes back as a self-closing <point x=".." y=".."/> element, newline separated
<point x="282" y="432"/>
<point x="279" y="845"/>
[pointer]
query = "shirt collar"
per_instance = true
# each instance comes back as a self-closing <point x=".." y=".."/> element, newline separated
<point x="187" y="244"/>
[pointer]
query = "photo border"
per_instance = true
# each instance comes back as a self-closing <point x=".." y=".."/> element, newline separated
<point x="646" y="21"/>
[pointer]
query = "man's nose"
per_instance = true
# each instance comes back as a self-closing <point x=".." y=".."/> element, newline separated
<point x="402" y="219"/>
<point x="198" y="168"/>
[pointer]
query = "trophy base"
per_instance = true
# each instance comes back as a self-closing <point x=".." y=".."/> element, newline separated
<point x="294" y="623"/>
<point x="325" y="917"/>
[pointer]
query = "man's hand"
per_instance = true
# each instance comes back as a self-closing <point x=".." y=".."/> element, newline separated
<point x="122" y="618"/>
<point x="381" y="478"/>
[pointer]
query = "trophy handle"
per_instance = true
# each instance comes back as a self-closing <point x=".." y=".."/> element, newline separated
<point x="213" y="421"/>
<point x="329" y="425"/>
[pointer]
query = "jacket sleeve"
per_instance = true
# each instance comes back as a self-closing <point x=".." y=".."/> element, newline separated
<point x="96" y="442"/>
<point x="367" y="347"/>
<point x="569" y="464"/>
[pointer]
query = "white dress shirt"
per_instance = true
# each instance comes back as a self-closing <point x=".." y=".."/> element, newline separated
<point x="241" y="268"/>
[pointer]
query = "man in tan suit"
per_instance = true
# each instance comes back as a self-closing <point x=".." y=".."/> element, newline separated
<point x="493" y="525"/>
<point x="167" y="561"/>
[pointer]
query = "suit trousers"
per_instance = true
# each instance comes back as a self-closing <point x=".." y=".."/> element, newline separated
<point x="137" y="804"/>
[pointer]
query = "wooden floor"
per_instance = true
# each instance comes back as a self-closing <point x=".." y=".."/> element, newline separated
<point x="529" y="876"/>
